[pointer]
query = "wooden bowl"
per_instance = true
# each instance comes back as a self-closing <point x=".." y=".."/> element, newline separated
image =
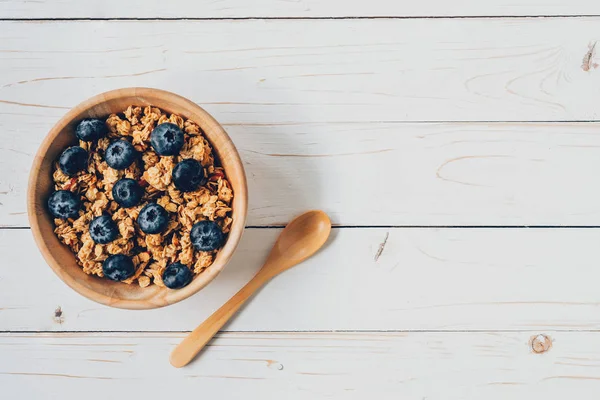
<point x="62" y="260"/>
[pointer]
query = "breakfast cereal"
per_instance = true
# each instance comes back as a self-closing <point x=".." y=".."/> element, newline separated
<point x="120" y="231"/>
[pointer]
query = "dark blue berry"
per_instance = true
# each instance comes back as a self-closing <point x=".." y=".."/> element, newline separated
<point x="103" y="229"/>
<point x="90" y="130"/>
<point x="167" y="139"/>
<point x="73" y="160"/>
<point x="120" y="154"/>
<point x="176" y="276"/>
<point x="188" y="175"/>
<point x="153" y="218"/>
<point x="207" y="236"/>
<point x="64" y="204"/>
<point x="118" y="267"/>
<point x="127" y="192"/>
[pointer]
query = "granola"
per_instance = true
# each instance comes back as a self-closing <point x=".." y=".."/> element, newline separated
<point x="150" y="253"/>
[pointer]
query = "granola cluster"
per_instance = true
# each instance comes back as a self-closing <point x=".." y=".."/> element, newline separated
<point x="150" y="253"/>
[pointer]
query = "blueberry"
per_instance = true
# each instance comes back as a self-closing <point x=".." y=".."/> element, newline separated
<point x="64" y="204"/>
<point x="90" y="130"/>
<point x="73" y="160"/>
<point x="207" y="236"/>
<point x="118" y="267"/>
<point x="127" y="192"/>
<point x="176" y="276"/>
<point x="153" y="218"/>
<point x="103" y="230"/>
<point x="167" y="139"/>
<point x="188" y="175"/>
<point x="120" y="154"/>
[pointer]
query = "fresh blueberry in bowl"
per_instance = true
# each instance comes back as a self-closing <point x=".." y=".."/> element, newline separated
<point x="103" y="229"/>
<point x="207" y="236"/>
<point x="73" y="160"/>
<point x="167" y="139"/>
<point x="153" y="218"/>
<point x="90" y="129"/>
<point x="127" y="192"/>
<point x="64" y="204"/>
<point x="176" y="276"/>
<point x="188" y="175"/>
<point x="118" y="267"/>
<point x="120" y="154"/>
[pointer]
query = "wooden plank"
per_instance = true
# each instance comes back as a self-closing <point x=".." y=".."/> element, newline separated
<point x="278" y="8"/>
<point x="312" y="71"/>
<point x="424" y="279"/>
<point x="315" y="108"/>
<point x="386" y="174"/>
<point x="304" y="365"/>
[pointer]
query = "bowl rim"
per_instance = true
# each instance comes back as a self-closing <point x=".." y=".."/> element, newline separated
<point x="240" y="210"/>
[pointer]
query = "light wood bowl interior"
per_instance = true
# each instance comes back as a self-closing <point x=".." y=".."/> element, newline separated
<point x="62" y="260"/>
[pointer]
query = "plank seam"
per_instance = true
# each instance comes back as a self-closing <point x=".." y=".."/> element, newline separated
<point x="382" y="17"/>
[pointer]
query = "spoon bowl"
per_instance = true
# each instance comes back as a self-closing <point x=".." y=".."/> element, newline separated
<point x="300" y="239"/>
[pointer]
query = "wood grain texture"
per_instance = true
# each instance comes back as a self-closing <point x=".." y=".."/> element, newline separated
<point x="423" y="279"/>
<point x="411" y="366"/>
<point x="283" y="8"/>
<point x="281" y="72"/>
<point x="317" y="110"/>
<point x="387" y="174"/>
<point x="344" y="115"/>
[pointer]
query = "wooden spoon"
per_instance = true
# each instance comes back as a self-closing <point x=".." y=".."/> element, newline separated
<point x="300" y="239"/>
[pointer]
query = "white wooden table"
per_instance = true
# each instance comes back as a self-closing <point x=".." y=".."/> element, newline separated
<point x="456" y="146"/>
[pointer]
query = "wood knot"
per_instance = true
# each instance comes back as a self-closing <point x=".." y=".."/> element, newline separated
<point x="540" y="343"/>
<point x="58" y="316"/>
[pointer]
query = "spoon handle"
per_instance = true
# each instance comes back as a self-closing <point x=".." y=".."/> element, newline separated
<point x="199" y="337"/>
